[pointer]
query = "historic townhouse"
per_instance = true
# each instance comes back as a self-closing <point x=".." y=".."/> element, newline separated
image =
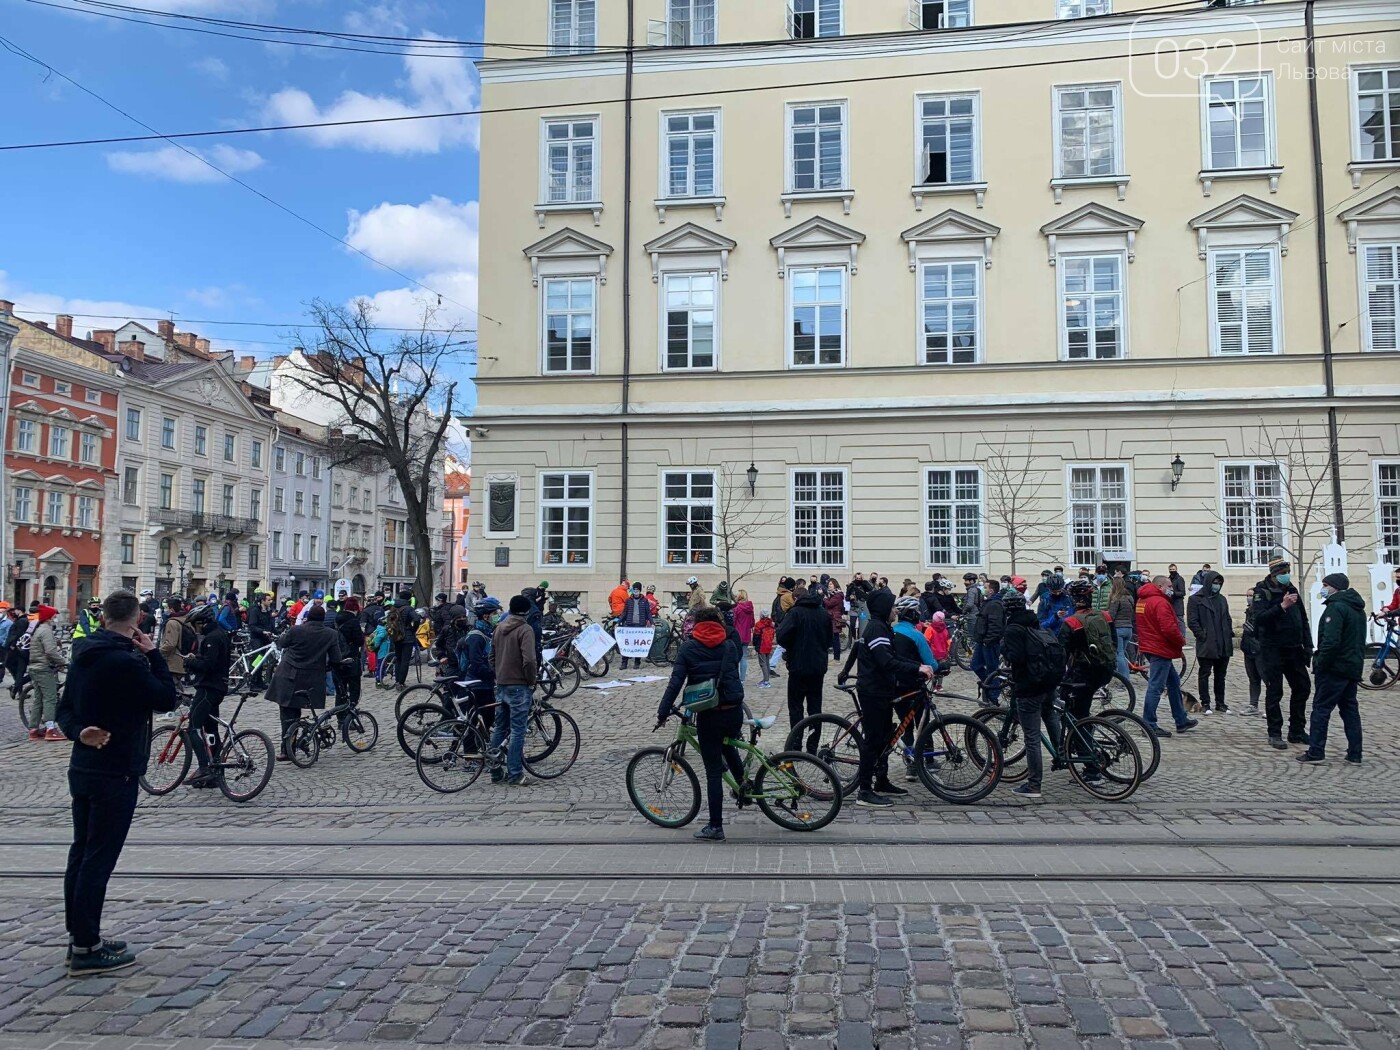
<point x="859" y="266"/>
<point x="299" y="519"/>
<point x="60" y="453"/>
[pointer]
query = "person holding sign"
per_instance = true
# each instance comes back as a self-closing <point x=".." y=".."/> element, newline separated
<point x="636" y="613"/>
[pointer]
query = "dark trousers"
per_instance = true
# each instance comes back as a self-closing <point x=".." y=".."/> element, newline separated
<point x="901" y="710"/>
<point x="876" y="727"/>
<point x="1275" y="665"/>
<point x="1030" y="712"/>
<point x="804" y="694"/>
<point x="986" y="660"/>
<point x="712" y="727"/>
<point x="403" y="657"/>
<point x="1079" y="700"/>
<point x="202" y="726"/>
<point x="347" y="691"/>
<point x="1340" y="693"/>
<point x="102" y="811"/>
<point x="1208" y="667"/>
<point x="289" y="716"/>
<point x="836" y="645"/>
<point x="1256" y="680"/>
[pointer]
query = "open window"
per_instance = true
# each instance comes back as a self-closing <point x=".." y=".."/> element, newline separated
<point x="940" y="14"/>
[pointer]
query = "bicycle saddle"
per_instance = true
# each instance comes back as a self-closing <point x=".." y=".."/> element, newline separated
<point x="767" y="722"/>
<point x="468" y="683"/>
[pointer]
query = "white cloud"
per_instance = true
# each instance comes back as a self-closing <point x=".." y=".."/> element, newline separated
<point x="434" y="235"/>
<point x="214" y="68"/>
<point x="87" y="313"/>
<point x="406" y="307"/>
<point x="176" y="165"/>
<point x="431" y="85"/>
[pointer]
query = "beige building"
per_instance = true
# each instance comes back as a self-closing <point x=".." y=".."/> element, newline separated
<point x="930" y="267"/>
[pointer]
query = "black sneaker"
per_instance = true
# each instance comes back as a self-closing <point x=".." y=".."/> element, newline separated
<point x="710" y="833"/>
<point x="1026" y="791"/>
<point x="870" y="800"/>
<point x="1190" y="723"/>
<point x="202" y="780"/>
<point x="1354" y="760"/>
<point x="885" y="787"/>
<point x="1277" y="742"/>
<point x="1298" y="738"/>
<point x="910" y="773"/>
<point x="1308" y="756"/>
<point x="521" y="781"/>
<point x="112" y="946"/>
<point x="98" y="961"/>
<point x="1093" y="776"/>
<point x="1159" y="732"/>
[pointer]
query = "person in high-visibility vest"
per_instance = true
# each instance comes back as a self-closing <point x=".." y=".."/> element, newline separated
<point x="89" y="622"/>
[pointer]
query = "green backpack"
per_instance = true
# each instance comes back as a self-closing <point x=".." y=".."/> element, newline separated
<point x="1098" y="633"/>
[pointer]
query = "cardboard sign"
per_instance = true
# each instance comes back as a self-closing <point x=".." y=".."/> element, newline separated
<point x="593" y="643"/>
<point x="634" y="643"/>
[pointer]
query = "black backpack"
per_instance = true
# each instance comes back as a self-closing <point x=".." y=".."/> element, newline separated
<point x="1045" y="660"/>
<point x="776" y="613"/>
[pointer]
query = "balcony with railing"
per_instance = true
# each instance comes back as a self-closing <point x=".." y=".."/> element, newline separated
<point x="200" y="522"/>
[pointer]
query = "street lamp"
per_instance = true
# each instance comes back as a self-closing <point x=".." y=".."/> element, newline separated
<point x="752" y="474"/>
<point x="182" y="561"/>
<point x="1178" y="465"/>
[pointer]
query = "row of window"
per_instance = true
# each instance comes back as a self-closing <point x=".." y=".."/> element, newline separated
<point x="199" y="494"/>
<point x="165" y="554"/>
<point x="1097" y="512"/>
<point x="169" y="437"/>
<point x="54" y="507"/>
<point x="299" y="461"/>
<point x="312" y="546"/>
<point x="1237" y="135"/>
<point x="362" y="499"/>
<point x="1244" y="306"/>
<point x="299" y="502"/>
<point x="58" y="387"/>
<point x="64" y="443"/>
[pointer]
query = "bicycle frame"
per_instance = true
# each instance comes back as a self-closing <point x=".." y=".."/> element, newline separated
<point x="689" y="735"/>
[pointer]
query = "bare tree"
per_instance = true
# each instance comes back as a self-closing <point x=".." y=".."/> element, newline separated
<point x="1016" y="508"/>
<point x="738" y="524"/>
<point x="392" y="398"/>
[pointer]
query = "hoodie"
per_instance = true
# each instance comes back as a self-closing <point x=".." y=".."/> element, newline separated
<point x="1208" y="618"/>
<point x="879" y="668"/>
<point x="707" y="654"/>
<point x="805" y="635"/>
<point x="1341" y="636"/>
<point x="514" y="653"/>
<point x="116" y="687"/>
<point x="1158" y="632"/>
<point x="209" y="663"/>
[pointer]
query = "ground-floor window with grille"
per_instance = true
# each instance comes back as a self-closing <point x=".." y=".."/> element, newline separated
<point x="819" y="518"/>
<point x="689" y="500"/>
<point x="953" y="515"/>
<point x="1098" y="511"/>
<point x="1253" y="512"/>
<point x="566" y="519"/>
<point x="1388" y="509"/>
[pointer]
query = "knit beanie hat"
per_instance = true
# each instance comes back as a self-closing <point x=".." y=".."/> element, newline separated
<point x="47" y="613"/>
<point x="1337" y="581"/>
<point x="1277" y="562"/>
<point x="519" y="605"/>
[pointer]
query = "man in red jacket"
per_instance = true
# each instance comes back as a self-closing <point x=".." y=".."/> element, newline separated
<point x="1160" y="640"/>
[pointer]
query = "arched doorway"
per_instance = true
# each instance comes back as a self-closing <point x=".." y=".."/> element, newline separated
<point x="50" y="590"/>
<point x="357" y="585"/>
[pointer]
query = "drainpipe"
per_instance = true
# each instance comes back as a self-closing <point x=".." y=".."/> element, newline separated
<point x="627" y="277"/>
<point x="1319" y="207"/>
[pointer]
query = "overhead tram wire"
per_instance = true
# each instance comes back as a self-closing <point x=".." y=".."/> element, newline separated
<point x="579" y="103"/>
<point x="14" y="48"/>
<point x="251" y="324"/>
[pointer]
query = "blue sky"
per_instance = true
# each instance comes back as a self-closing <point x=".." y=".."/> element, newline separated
<point x="145" y="230"/>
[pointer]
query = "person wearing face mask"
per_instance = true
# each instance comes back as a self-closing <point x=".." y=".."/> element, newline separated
<point x="1103" y="589"/>
<point x="1176" y="594"/>
<point x="1285" y="650"/>
<point x="1208" y="614"/>
<point x="1337" y="667"/>
<point x="1249" y="649"/>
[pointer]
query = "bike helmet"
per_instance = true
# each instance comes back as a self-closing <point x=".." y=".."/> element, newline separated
<point x="1015" y="599"/>
<point x="694" y="581"/>
<point x="907" y="608"/>
<point x="1056" y="584"/>
<point x="945" y="585"/>
<point x="486" y="607"/>
<point x="201" y="616"/>
<point x="148" y="593"/>
<point x="1081" y="592"/>
<point x="969" y="577"/>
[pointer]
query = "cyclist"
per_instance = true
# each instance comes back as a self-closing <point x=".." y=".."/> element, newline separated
<point x="88" y="623"/>
<point x="1037" y="663"/>
<point x="695" y="598"/>
<point x="1055" y="605"/>
<point x="1090" y="652"/>
<point x="913" y="647"/>
<point x="309" y="651"/>
<point x="972" y="598"/>
<point x="208" y="665"/>
<point x="515" y="659"/>
<point x="986" y="632"/>
<point x="346" y="671"/>
<point x="474" y="657"/>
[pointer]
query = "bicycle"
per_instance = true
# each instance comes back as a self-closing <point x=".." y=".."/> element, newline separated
<point x="448" y="698"/>
<point x="1099" y="754"/>
<point x="1384" y="668"/>
<point x="252" y="668"/>
<point x="960" y="646"/>
<point x="955" y="757"/>
<point x="386" y="677"/>
<point x="304" y="739"/>
<point x="1117" y="694"/>
<point x="242" y="766"/>
<point x="793" y="789"/>
<point x="452" y="753"/>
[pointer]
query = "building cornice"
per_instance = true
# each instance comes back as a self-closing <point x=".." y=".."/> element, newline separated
<point x="62" y="368"/>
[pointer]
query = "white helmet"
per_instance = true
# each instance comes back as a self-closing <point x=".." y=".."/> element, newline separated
<point x="694" y="581"/>
<point x="908" y="606"/>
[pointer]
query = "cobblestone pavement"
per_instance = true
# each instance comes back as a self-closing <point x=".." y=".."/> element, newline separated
<point x="1238" y="901"/>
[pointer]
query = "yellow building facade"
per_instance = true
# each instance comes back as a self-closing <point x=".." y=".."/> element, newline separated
<point x="951" y="277"/>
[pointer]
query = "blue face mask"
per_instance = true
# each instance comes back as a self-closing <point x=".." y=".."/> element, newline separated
<point x="1215" y="588"/>
<point x="1101" y="578"/>
<point x="1284" y="578"/>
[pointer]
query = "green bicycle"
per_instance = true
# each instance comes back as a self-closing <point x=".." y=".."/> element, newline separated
<point x="794" y="790"/>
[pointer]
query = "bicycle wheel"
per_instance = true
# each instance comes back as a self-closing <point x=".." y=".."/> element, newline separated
<point x="598" y="670"/>
<point x="833" y="741"/>
<point x="570" y="678"/>
<point x="1108" y="750"/>
<point x="451" y="755"/>
<point x="169" y="762"/>
<point x="414" y="695"/>
<point x="302" y="744"/>
<point x="245" y="765"/>
<point x="551" y="743"/>
<point x="1148" y="746"/>
<point x="361" y="731"/>
<point x="415" y="722"/>
<point x="797" y="791"/>
<point x="961" y="650"/>
<point x="958" y="759"/>
<point x="663" y="788"/>
<point x="1011" y="740"/>
<point x="549" y="680"/>
<point x="1118" y="694"/>
<point x="1378" y="673"/>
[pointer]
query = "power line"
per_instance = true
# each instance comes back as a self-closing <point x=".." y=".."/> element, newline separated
<point x="691" y="96"/>
<point x="14" y="48"/>
<point x="251" y="324"/>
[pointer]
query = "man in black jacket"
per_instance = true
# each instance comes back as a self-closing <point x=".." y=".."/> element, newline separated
<point x="987" y="630"/>
<point x="1285" y="650"/>
<point x="1034" y="696"/>
<point x="208" y="666"/>
<point x="805" y="635"/>
<point x="857" y="591"/>
<point x="1208" y="616"/>
<point x="113" y="687"/>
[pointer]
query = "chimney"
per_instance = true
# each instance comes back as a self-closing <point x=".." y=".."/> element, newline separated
<point x="166" y="329"/>
<point x="186" y="339"/>
<point x="247" y="364"/>
<point x="6" y="307"/>
<point x="42" y="324"/>
<point x="278" y="359"/>
<point x="134" y="349"/>
<point x="107" y="337"/>
<point x="202" y="345"/>
<point x="64" y="324"/>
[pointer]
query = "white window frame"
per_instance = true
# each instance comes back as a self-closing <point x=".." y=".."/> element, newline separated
<point x="1363" y="283"/>
<point x="315" y="504"/>
<point x="256" y="455"/>
<point x="55" y="500"/>
<point x="279" y="500"/>
<point x="86" y="513"/>
<point x="1062" y="320"/>
<point x="545" y="282"/>
<point x="199" y="496"/>
<point x="229" y="498"/>
<point x="24" y="504"/>
<point x="92" y="397"/>
<point x="1255" y="548"/>
<point x="920" y="167"/>
<point x="845" y="505"/>
<point x="201" y="441"/>
<point x="26" y="436"/>
<point x="1066" y="9"/>
<point x="1354" y="79"/>
<point x="1119" y="172"/>
<point x="595" y="140"/>
<point x="89" y="448"/>
<point x="165" y="493"/>
<point x="1275" y="258"/>
<point x="917" y="13"/>
<point x="788" y="309"/>
<point x="1381" y="502"/>
<point x="514" y="531"/>
<point x="230" y="448"/>
<point x="663" y="285"/>
<point x="569" y="40"/>
<point x="254" y="555"/>
<point x="255" y="504"/>
<point x="591" y="503"/>
<point x="817" y="21"/>
<point x="279" y="459"/>
<point x="60" y="442"/>
<point x="128" y="548"/>
<point x="664" y="163"/>
<point x="313" y="547"/>
<point x="953" y="503"/>
<point x="296" y="546"/>
<point x="131" y="486"/>
<point x="277" y="544"/>
<point x="690" y="502"/>
<point x="1098" y="502"/>
<point x="922" y="303"/>
<point x="299" y="503"/>
<point x="29" y="379"/>
<point x="673" y="38"/>
<point x="133" y="422"/>
<point x="790" y="145"/>
<point x="1208" y="161"/>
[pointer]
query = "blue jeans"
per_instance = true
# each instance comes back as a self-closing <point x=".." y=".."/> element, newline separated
<point x="986" y="660"/>
<point x="1125" y="635"/>
<point x="1162" y="674"/>
<point x="517" y="698"/>
<point x="743" y="663"/>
